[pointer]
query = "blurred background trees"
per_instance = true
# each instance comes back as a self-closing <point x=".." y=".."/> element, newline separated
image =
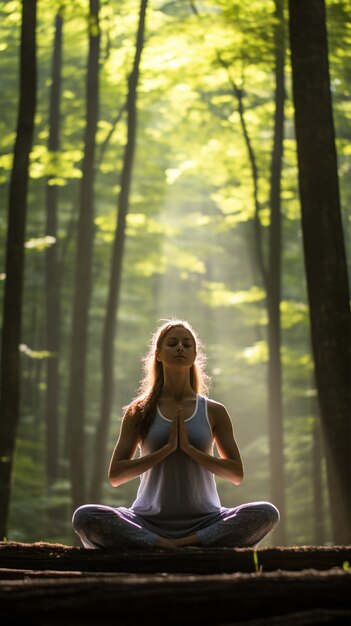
<point x="212" y="234"/>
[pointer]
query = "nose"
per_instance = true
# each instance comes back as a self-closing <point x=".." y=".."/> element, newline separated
<point x="180" y="347"/>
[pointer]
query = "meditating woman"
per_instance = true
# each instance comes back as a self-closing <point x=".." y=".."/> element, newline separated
<point x="175" y="426"/>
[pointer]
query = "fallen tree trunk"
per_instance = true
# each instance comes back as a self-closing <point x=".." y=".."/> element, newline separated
<point x="44" y="556"/>
<point x="173" y="599"/>
<point x="66" y="586"/>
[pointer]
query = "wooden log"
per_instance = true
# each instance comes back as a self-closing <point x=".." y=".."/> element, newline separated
<point x="175" y="599"/>
<point x="44" y="556"/>
<point x="43" y="583"/>
<point x="315" y="617"/>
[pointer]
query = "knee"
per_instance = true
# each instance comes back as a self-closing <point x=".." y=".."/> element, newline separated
<point x="270" y="514"/>
<point x="82" y="518"/>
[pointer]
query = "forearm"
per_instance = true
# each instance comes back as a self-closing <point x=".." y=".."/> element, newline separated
<point x="229" y="469"/>
<point x="121" y="471"/>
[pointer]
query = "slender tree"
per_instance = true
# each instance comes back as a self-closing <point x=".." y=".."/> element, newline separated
<point x="275" y="390"/>
<point x="269" y="266"/>
<point x="83" y="270"/>
<point x="270" y="270"/>
<point x="53" y="308"/>
<point x="317" y="459"/>
<point x="324" y="249"/>
<point x="17" y="212"/>
<point x="110" y="325"/>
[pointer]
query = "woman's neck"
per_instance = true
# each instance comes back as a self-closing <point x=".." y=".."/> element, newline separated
<point x="177" y="387"/>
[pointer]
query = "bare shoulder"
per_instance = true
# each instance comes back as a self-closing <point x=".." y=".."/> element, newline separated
<point x="217" y="412"/>
<point x="131" y="416"/>
<point x="128" y="438"/>
<point x="130" y="420"/>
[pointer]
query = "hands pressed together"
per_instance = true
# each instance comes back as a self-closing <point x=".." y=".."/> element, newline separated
<point x="178" y="436"/>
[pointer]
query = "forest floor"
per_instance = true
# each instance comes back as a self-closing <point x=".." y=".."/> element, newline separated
<point x="57" y="585"/>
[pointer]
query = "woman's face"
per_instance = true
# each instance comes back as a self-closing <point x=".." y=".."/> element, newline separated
<point x="177" y="348"/>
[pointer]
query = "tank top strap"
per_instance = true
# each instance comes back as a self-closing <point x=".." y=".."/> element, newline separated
<point x="202" y="412"/>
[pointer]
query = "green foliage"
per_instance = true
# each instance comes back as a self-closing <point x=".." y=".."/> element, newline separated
<point x="34" y="354"/>
<point x="35" y="511"/>
<point x="258" y="568"/>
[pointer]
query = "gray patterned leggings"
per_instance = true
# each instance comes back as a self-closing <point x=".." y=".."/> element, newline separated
<point x="244" y="526"/>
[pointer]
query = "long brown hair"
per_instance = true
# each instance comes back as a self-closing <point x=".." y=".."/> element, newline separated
<point x="145" y="403"/>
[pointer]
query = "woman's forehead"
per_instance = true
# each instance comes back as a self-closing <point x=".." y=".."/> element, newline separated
<point x="179" y="332"/>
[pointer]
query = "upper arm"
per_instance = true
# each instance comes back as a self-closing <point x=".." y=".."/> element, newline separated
<point x="127" y="442"/>
<point x="223" y="432"/>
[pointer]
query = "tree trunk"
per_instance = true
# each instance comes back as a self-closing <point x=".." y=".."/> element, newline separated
<point x="116" y="269"/>
<point x="83" y="274"/>
<point x="17" y="211"/>
<point x="275" y="399"/>
<point x="271" y="272"/>
<point x="324" y="250"/>
<point x="318" y="508"/>
<point x="53" y="312"/>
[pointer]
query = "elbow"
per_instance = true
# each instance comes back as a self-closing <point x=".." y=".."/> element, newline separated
<point x="113" y="480"/>
<point x="239" y="476"/>
<point x="117" y="478"/>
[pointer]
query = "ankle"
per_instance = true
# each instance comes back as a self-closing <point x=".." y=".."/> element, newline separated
<point x="190" y="540"/>
<point x="163" y="542"/>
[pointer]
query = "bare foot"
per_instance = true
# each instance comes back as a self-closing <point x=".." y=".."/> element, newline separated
<point x="181" y="542"/>
<point x="162" y="542"/>
<point x="189" y="541"/>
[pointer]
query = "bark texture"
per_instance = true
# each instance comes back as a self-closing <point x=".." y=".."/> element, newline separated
<point x="53" y="305"/>
<point x="192" y="586"/>
<point x="273" y="287"/>
<point x="83" y="272"/>
<point x="110" y="326"/>
<point x="324" y="250"/>
<point x="17" y="213"/>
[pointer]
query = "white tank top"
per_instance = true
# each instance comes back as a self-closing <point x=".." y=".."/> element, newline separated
<point x="178" y="496"/>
